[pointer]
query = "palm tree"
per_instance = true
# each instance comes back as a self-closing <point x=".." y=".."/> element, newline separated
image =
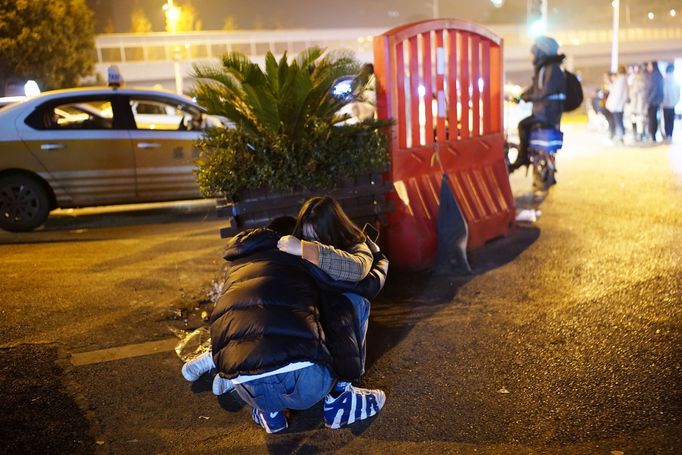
<point x="286" y="97"/>
<point x="289" y="133"/>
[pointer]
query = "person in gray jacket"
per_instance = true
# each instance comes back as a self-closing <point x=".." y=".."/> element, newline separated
<point x="654" y="97"/>
<point x="615" y="103"/>
<point x="671" y="96"/>
<point x="547" y="93"/>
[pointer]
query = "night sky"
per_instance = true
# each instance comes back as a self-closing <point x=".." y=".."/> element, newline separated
<point x="273" y="14"/>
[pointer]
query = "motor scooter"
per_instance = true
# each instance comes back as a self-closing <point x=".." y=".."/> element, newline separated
<point x="543" y="143"/>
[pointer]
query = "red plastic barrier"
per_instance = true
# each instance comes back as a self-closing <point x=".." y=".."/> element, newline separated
<point x="442" y="82"/>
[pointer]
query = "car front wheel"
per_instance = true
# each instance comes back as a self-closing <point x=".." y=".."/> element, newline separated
<point x="24" y="204"/>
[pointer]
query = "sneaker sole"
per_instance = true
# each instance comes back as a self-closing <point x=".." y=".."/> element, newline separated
<point x="264" y="426"/>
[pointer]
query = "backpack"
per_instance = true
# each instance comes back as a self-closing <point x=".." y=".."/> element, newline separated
<point x="574" y="92"/>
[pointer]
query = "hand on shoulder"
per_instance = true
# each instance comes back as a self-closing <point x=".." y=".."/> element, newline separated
<point x="289" y="244"/>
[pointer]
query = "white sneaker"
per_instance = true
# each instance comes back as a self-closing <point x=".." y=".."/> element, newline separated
<point x="221" y="385"/>
<point x="193" y="369"/>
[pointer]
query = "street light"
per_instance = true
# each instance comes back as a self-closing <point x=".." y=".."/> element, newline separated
<point x="172" y="16"/>
<point x="614" y="40"/>
<point x="537" y="17"/>
<point x="673" y="13"/>
<point x="651" y="15"/>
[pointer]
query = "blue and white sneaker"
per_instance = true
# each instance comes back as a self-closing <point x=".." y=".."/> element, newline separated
<point x="352" y="405"/>
<point x="272" y="422"/>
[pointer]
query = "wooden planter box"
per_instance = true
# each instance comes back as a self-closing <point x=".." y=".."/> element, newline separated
<point x="363" y="199"/>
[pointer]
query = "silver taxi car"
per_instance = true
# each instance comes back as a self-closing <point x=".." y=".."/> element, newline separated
<point x="96" y="146"/>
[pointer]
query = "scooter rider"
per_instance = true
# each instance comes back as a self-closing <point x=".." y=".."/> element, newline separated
<point x="547" y="93"/>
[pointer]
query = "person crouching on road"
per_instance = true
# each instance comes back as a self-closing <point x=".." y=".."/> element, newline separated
<point x="328" y="240"/>
<point x="547" y="93"/>
<point x="268" y="338"/>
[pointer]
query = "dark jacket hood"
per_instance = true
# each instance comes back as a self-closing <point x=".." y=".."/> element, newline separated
<point x="545" y="60"/>
<point x="250" y="241"/>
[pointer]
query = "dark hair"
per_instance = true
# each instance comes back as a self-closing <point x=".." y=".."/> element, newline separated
<point x="331" y="224"/>
<point x="283" y="225"/>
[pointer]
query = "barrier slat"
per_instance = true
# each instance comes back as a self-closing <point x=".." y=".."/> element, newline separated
<point x="414" y="91"/>
<point x="461" y="195"/>
<point x="476" y="87"/>
<point x="453" y="78"/>
<point x="484" y="190"/>
<point x="400" y="82"/>
<point x="464" y="84"/>
<point x="441" y="110"/>
<point x="496" y="89"/>
<point x="428" y="88"/>
<point x="487" y="77"/>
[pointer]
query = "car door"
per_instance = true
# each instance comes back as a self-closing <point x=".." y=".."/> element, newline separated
<point x="84" y="148"/>
<point x="163" y="143"/>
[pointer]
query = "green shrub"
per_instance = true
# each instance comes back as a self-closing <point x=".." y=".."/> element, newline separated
<point x="233" y="160"/>
<point x="288" y="133"/>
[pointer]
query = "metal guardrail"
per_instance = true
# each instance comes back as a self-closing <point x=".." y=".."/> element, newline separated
<point x="514" y="37"/>
<point x="149" y="47"/>
<point x="122" y="48"/>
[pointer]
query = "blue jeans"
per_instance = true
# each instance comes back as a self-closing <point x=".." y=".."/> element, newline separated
<point x="668" y="121"/>
<point x="299" y="389"/>
<point x="361" y="306"/>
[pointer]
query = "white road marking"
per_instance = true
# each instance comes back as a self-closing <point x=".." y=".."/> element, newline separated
<point x="123" y="352"/>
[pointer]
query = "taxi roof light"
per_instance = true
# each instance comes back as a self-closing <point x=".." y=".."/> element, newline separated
<point x="114" y="77"/>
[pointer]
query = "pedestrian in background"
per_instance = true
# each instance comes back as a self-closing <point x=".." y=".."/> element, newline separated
<point x="615" y="103"/>
<point x="637" y="97"/>
<point x="671" y="96"/>
<point x="654" y="97"/>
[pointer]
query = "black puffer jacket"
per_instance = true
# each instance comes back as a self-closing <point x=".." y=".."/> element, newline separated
<point x="268" y="316"/>
<point x="338" y="316"/>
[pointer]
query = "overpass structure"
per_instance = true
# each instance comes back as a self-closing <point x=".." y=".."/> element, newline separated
<point x="166" y="59"/>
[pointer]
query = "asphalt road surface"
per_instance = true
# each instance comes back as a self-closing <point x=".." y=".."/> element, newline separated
<point x="565" y="340"/>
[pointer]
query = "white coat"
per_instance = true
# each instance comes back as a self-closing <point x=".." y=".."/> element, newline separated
<point x="618" y="95"/>
<point x="637" y="94"/>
